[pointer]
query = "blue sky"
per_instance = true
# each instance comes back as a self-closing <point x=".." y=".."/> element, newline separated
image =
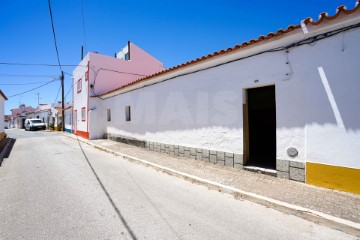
<point x="172" y="31"/>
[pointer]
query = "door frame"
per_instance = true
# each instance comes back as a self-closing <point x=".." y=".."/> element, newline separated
<point x="75" y="122"/>
<point x="246" y="133"/>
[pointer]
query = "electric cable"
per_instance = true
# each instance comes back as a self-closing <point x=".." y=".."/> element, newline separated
<point x="42" y="64"/>
<point x="33" y="89"/>
<point x="19" y="84"/>
<point x="53" y="30"/>
<point x="26" y="75"/>
<point x="308" y="41"/>
<point x="57" y="95"/>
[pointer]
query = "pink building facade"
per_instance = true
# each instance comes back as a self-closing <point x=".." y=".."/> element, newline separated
<point x="97" y="74"/>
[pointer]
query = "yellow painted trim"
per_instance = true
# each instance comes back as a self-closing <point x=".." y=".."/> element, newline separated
<point x="334" y="177"/>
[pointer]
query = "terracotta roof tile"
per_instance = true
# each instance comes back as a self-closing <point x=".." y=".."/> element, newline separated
<point x="322" y="17"/>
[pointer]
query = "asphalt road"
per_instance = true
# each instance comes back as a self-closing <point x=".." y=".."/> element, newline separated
<point x="53" y="187"/>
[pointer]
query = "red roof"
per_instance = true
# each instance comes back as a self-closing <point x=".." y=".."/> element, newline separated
<point x="322" y="17"/>
<point x="17" y="111"/>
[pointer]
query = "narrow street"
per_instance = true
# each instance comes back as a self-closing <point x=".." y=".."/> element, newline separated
<point x="54" y="187"/>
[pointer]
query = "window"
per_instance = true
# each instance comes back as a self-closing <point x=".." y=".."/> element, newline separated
<point x="109" y="115"/>
<point x="128" y="113"/>
<point x="127" y="56"/>
<point x="79" y="85"/>
<point x="83" y="114"/>
<point x="87" y="75"/>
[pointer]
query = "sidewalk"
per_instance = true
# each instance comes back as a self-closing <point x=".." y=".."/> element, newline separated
<point x="335" y="209"/>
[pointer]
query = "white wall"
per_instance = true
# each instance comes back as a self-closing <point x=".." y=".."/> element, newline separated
<point x="2" y="109"/>
<point x="68" y="118"/>
<point x="42" y="115"/>
<point x="80" y="99"/>
<point x="204" y="109"/>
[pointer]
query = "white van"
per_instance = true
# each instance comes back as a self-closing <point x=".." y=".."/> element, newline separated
<point x="34" y="124"/>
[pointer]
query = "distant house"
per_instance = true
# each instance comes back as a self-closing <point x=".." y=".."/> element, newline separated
<point x="7" y="120"/>
<point x="3" y="98"/>
<point x="68" y="111"/>
<point x="42" y="112"/>
<point x="97" y="74"/>
<point x="18" y="116"/>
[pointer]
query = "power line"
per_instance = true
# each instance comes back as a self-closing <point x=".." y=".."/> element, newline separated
<point x="32" y="89"/>
<point x="57" y="95"/>
<point x="68" y="91"/>
<point x="41" y="64"/>
<point x="26" y="75"/>
<point x="53" y="30"/>
<point x="15" y="84"/>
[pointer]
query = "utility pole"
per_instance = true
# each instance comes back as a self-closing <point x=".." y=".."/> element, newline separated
<point x="62" y="101"/>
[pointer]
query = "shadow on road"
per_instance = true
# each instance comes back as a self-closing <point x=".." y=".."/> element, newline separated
<point x="6" y="146"/>
<point x="121" y="217"/>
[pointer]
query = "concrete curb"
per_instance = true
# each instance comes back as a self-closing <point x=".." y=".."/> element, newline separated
<point x="343" y="225"/>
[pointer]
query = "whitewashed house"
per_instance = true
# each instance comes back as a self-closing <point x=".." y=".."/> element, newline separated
<point x="3" y="98"/>
<point x="97" y="74"/>
<point x="68" y="111"/>
<point x="18" y="116"/>
<point x="42" y="112"/>
<point x="286" y="103"/>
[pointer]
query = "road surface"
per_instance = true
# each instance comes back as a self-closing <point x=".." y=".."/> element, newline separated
<point x="53" y="187"/>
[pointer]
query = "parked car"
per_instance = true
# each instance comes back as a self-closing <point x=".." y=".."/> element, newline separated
<point x="34" y="124"/>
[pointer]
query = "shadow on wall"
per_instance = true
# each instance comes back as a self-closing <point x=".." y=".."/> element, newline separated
<point x="174" y="111"/>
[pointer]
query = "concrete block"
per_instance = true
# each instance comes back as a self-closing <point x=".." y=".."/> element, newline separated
<point x="229" y="161"/>
<point x="181" y="149"/>
<point x="282" y="165"/>
<point x="157" y="147"/>
<point x="187" y="154"/>
<point x="220" y="156"/>
<point x="297" y="164"/>
<point x="205" y="153"/>
<point x="193" y="157"/>
<point x="176" y="151"/>
<point x="172" y="150"/>
<point x="231" y="155"/>
<point x="199" y="150"/>
<point x="212" y="158"/>
<point x="206" y="159"/>
<point x="187" y="149"/>
<point x="297" y="174"/>
<point x="284" y="175"/>
<point x="238" y="159"/>
<point x="199" y="156"/>
<point x="238" y="166"/>
<point x="147" y="146"/>
<point x="212" y="152"/>
<point x="193" y="151"/>
<point x="222" y="163"/>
